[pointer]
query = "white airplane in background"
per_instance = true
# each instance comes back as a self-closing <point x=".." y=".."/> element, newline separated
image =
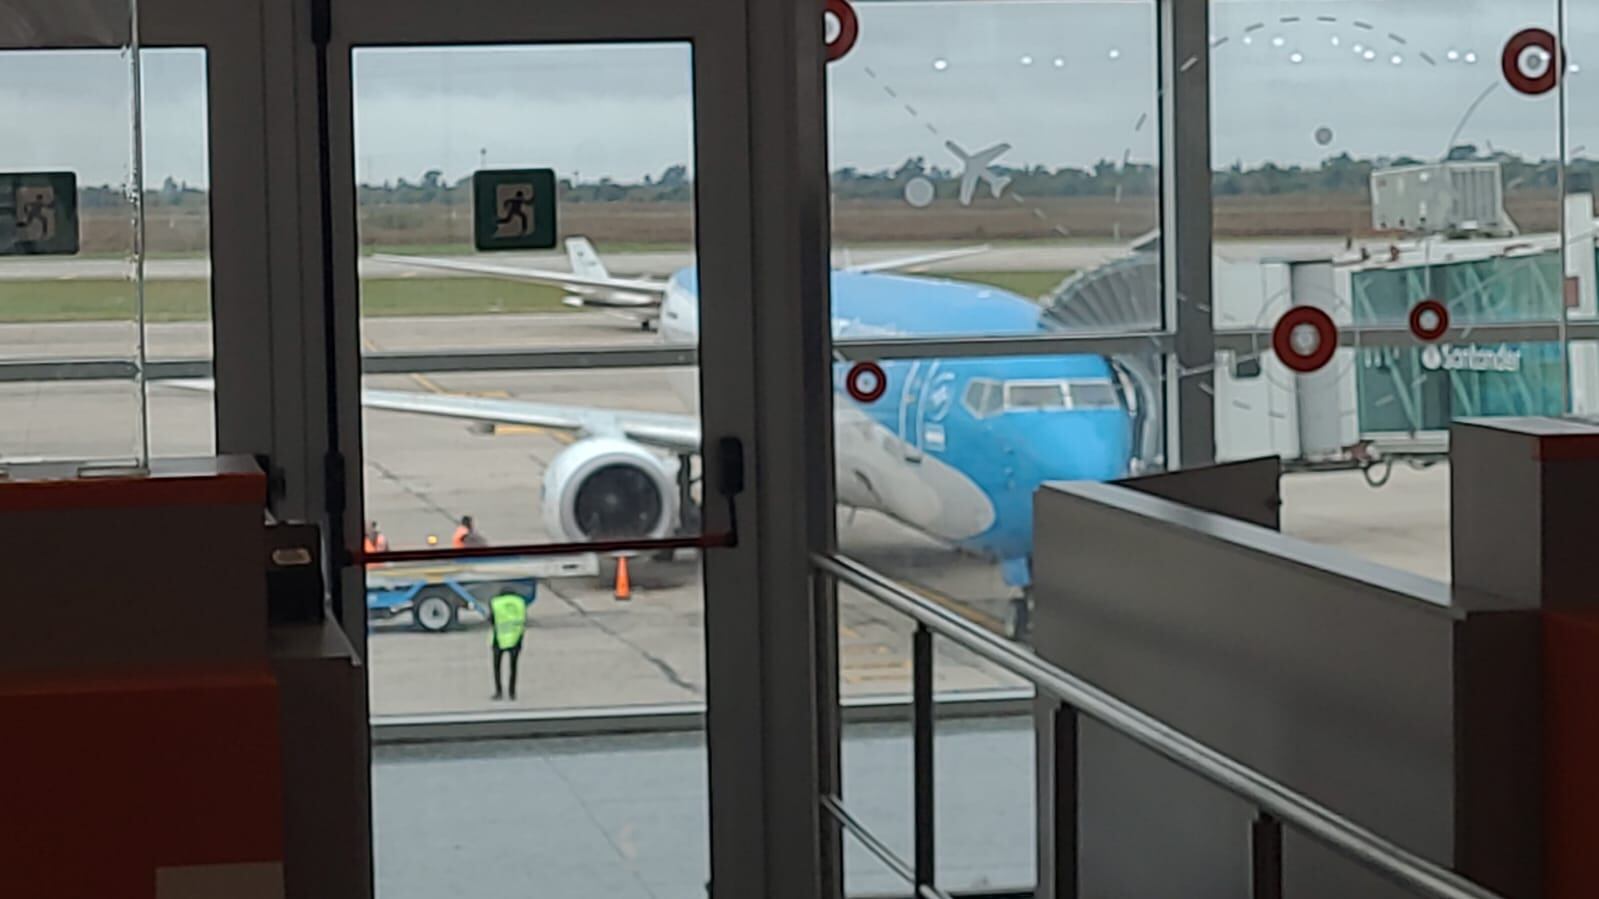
<point x="591" y="286"/>
<point x="588" y="285"/>
<point x="977" y="167"/>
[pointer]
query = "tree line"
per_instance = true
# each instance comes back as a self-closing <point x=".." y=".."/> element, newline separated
<point x="1336" y="174"/>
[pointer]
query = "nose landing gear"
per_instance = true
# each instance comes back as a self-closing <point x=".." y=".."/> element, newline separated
<point x="1019" y="617"/>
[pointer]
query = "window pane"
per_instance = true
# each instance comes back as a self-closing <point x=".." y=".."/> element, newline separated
<point x="534" y="455"/>
<point x="980" y="190"/>
<point x="1373" y="159"/>
<point x="82" y="307"/>
<point x="966" y="151"/>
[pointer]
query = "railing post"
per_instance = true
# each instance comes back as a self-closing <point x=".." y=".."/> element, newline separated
<point x="922" y="690"/>
<point x="1065" y="802"/>
<point x="1266" y="857"/>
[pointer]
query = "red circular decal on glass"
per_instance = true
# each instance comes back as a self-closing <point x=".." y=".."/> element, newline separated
<point x="1283" y="343"/>
<point x="873" y="390"/>
<point x="849" y="29"/>
<point x="1419" y="315"/>
<point x="1515" y="56"/>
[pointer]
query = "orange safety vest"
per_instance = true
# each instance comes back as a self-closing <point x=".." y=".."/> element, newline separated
<point x="380" y="545"/>
<point x="459" y="540"/>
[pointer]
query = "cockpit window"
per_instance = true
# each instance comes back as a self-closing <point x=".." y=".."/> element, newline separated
<point x="1093" y="395"/>
<point x="1046" y="395"/>
<point x="983" y="398"/>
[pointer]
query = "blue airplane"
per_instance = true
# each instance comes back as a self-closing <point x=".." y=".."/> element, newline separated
<point x="955" y="448"/>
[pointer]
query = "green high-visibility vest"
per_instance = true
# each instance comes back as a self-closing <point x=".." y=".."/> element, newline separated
<point x="510" y="619"/>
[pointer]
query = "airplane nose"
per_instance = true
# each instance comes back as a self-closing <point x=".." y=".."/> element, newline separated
<point x="1080" y="446"/>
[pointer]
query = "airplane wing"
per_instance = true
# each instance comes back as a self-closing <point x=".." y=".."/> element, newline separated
<point x="987" y="156"/>
<point x="537" y="276"/>
<point x="677" y="432"/>
<point x="907" y="262"/>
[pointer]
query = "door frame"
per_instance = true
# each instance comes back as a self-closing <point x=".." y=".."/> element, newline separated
<point x="761" y="240"/>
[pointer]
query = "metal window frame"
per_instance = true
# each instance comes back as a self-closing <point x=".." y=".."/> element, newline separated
<point x="1242" y="343"/>
<point x="1186" y="220"/>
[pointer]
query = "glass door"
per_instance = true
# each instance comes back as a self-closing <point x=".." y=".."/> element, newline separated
<point x="532" y="215"/>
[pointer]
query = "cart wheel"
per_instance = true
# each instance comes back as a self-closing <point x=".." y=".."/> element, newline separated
<point x="434" y="611"/>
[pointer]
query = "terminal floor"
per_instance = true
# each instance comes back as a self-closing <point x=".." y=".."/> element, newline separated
<point x="624" y="817"/>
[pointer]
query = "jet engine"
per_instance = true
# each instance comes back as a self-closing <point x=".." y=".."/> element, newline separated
<point x="607" y="488"/>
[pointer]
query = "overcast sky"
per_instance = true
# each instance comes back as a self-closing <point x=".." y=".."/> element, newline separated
<point x="1065" y="83"/>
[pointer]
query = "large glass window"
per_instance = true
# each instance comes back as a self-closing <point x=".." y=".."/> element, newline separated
<point x="1372" y="160"/>
<point x="534" y="397"/>
<point x="546" y="455"/>
<point x="980" y="191"/>
<point x="70" y="319"/>
<point x="995" y="183"/>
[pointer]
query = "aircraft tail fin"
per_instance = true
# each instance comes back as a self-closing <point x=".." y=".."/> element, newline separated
<point x="998" y="183"/>
<point x="585" y="261"/>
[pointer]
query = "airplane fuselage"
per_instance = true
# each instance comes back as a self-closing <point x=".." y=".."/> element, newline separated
<point x="955" y="447"/>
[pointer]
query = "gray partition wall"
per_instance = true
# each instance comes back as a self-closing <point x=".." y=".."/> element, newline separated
<point x="1407" y="706"/>
<point x="1249" y="490"/>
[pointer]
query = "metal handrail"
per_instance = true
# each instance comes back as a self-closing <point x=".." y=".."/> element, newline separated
<point x="833" y="806"/>
<point x="1358" y="843"/>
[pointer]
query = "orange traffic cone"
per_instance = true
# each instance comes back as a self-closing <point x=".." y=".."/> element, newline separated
<point x="624" y="587"/>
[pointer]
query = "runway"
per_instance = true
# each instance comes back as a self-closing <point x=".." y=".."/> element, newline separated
<point x="585" y="648"/>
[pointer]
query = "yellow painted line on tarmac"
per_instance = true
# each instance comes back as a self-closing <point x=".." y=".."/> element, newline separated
<point x="975" y="616"/>
<point x="421" y="380"/>
<point x="427" y="383"/>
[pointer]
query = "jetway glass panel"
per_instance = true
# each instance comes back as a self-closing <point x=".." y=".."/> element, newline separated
<point x="73" y="117"/>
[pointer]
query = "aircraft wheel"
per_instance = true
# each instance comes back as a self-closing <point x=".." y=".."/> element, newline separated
<point x="1019" y="618"/>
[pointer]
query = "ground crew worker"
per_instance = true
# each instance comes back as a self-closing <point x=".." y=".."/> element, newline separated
<point x="466" y="534"/>
<point x="508" y="613"/>
<point x="374" y="541"/>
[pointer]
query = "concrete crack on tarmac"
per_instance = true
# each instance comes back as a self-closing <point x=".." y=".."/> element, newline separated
<point x="660" y="664"/>
<point x="403" y="485"/>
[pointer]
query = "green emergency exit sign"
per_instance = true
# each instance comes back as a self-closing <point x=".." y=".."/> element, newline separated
<point x="38" y="213"/>
<point x="513" y="209"/>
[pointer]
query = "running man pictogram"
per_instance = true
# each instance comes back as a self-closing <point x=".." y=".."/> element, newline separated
<point x="36" y="214"/>
<point x="514" y="209"/>
<point x="515" y="204"/>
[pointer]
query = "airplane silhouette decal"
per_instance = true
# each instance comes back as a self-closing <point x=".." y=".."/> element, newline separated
<point x="976" y="167"/>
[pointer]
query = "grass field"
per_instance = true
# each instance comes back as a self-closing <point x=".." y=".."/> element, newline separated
<point x="179" y="301"/>
<point x="1029" y="284"/>
<point x="176" y="301"/>
<point x="629" y="225"/>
